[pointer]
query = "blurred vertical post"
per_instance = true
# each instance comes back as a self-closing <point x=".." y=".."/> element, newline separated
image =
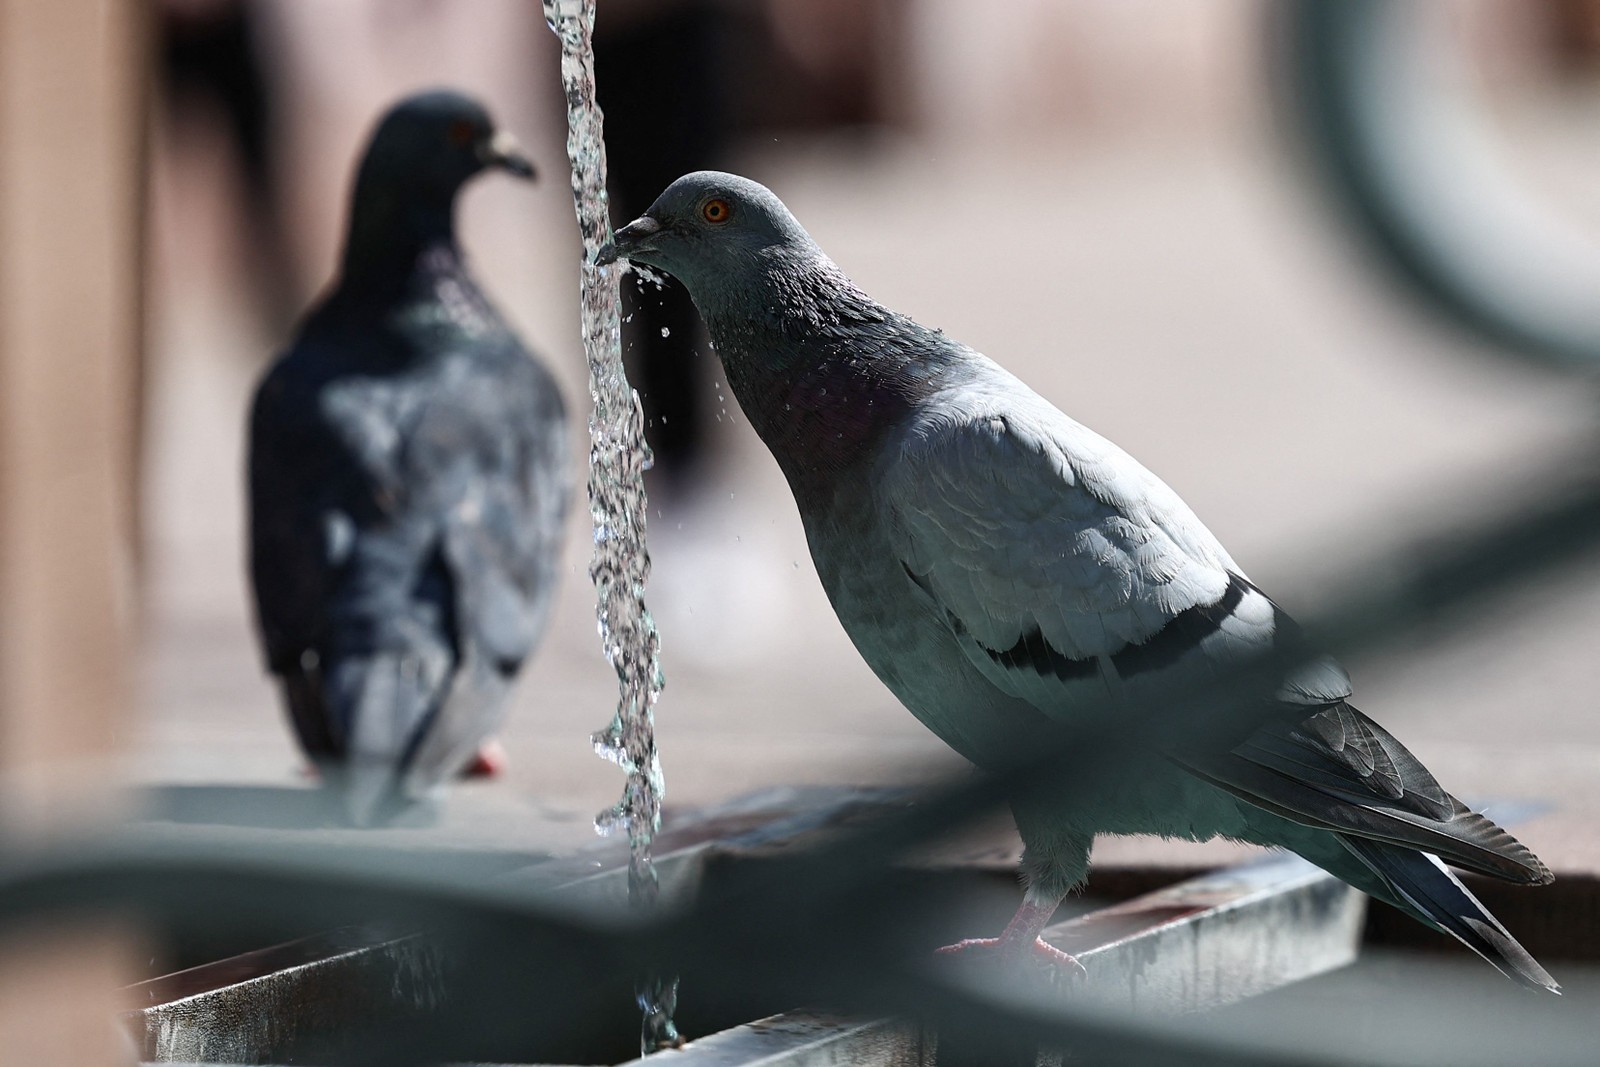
<point x="72" y="86"/>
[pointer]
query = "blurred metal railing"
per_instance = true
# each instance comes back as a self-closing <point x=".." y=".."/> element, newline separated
<point x="1385" y="104"/>
<point x="831" y="923"/>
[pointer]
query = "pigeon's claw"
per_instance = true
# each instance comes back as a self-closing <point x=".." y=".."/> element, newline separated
<point x="1064" y="964"/>
<point x="1016" y="953"/>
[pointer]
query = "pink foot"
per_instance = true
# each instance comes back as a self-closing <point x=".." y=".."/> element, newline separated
<point x="1015" y="951"/>
<point x="488" y="762"/>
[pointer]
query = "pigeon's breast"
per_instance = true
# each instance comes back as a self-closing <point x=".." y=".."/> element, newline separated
<point x="908" y="645"/>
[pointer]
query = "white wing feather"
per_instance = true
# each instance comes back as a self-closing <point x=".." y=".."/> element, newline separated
<point x="1023" y="525"/>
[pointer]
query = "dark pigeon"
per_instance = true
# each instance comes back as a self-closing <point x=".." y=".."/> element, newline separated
<point x="1003" y="569"/>
<point x="408" y="482"/>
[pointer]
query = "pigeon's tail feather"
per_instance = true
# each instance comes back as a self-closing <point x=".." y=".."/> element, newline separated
<point x="1338" y="770"/>
<point x="468" y="716"/>
<point x="382" y="705"/>
<point x="1425" y="887"/>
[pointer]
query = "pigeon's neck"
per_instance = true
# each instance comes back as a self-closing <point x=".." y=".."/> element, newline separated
<point x="395" y="232"/>
<point x="823" y="372"/>
<point x="405" y="286"/>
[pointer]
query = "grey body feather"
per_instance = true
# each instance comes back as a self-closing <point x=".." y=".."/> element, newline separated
<point x="408" y="485"/>
<point x="1001" y="568"/>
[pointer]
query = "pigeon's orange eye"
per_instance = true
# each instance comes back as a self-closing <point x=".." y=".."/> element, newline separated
<point x="717" y="211"/>
<point x="462" y="132"/>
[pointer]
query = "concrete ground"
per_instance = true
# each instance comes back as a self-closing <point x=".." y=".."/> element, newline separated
<point x="1189" y="297"/>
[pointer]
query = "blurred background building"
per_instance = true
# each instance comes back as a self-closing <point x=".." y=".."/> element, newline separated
<point x="1103" y="195"/>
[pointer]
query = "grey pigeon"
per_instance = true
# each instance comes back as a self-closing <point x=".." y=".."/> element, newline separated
<point x="408" y="481"/>
<point x="1001" y="568"/>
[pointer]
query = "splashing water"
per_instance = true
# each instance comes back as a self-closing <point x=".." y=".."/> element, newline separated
<point x="618" y="458"/>
<point x="643" y="274"/>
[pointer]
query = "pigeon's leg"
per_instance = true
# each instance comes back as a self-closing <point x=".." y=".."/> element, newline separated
<point x="1055" y="859"/>
<point x="1019" y="943"/>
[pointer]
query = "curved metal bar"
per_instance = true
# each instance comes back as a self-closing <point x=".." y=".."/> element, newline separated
<point x="1385" y="105"/>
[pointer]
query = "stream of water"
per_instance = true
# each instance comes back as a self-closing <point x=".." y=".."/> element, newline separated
<point x="618" y="458"/>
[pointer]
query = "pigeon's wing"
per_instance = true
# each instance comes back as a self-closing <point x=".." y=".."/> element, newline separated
<point x="325" y="536"/>
<point x="1066" y="571"/>
<point x="497" y="457"/>
<point x="327" y="494"/>
<point x="290" y="455"/>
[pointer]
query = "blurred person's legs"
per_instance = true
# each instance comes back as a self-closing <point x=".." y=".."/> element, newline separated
<point x="209" y="55"/>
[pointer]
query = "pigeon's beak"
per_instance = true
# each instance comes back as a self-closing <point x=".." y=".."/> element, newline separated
<point x="503" y="151"/>
<point x="632" y="238"/>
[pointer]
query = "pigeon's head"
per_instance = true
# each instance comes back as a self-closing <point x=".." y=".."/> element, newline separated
<point x="434" y="141"/>
<point x="707" y="227"/>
